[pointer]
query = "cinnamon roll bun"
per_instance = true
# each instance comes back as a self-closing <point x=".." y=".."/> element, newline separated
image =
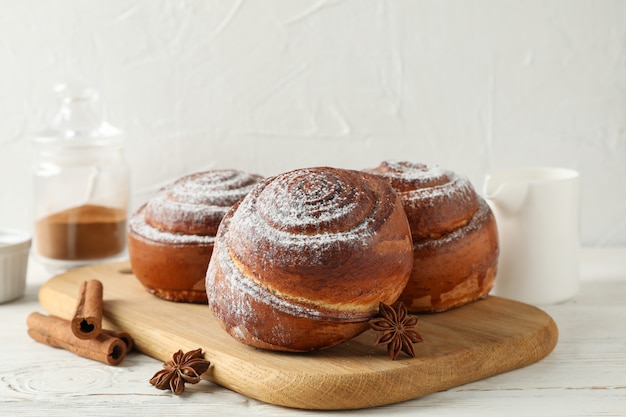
<point x="171" y="237"/>
<point x="455" y="238"/>
<point x="302" y="262"/>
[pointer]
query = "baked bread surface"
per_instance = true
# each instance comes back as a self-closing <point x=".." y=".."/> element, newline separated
<point x="303" y="260"/>
<point x="171" y="237"/>
<point x="455" y="237"/>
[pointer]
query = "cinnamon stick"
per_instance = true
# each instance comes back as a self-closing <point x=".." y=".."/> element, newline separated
<point x="124" y="336"/>
<point x="55" y="331"/>
<point x="87" y="320"/>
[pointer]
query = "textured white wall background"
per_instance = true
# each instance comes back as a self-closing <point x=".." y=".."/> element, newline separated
<point x="267" y="86"/>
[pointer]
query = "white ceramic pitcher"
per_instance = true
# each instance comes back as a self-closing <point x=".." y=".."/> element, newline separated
<point x="537" y="212"/>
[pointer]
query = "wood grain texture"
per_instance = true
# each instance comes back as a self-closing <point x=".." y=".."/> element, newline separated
<point x="485" y="338"/>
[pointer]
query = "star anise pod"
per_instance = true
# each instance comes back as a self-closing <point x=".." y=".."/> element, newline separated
<point x="397" y="330"/>
<point x="183" y="368"/>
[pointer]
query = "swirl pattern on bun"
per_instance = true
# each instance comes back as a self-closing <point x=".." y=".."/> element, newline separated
<point x="171" y="237"/>
<point x="455" y="238"/>
<point x="302" y="262"/>
<point x="196" y="203"/>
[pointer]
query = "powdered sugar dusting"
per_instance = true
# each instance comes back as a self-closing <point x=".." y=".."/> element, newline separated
<point x="242" y="286"/>
<point x="196" y="203"/>
<point x="212" y="188"/>
<point x="477" y="221"/>
<point x="190" y="209"/>
<point x="315" y="201"/>
<point x="139" y="227"/>
<point x="457" y="188"/>
<point x="407" y="176"/>
<point x="436" y="200"/>
<point x="245" y="232"/>
<point x="298" y="227"/>
<point x="429" y="179"/>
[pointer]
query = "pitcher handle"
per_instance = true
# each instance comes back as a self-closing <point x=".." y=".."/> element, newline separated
<point x="509" y="196"/>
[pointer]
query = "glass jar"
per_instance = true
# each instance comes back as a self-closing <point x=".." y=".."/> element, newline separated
<point x="81" y="186"/>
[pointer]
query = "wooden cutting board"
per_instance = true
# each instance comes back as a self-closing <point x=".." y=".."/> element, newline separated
<point x="476" y="341"/>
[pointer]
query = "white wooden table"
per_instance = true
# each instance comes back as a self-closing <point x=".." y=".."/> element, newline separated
<point x="584" y="376"/>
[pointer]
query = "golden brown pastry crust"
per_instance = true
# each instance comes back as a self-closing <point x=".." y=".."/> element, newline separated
<point x="455" y="238"/>
<point x="171" y="237"/>
<point x="302" y="262"/>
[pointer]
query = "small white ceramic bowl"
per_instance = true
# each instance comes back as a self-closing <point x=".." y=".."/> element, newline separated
<point x="14" y="248"/>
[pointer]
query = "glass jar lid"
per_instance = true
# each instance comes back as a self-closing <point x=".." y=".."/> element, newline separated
<point x="77" y="123"/>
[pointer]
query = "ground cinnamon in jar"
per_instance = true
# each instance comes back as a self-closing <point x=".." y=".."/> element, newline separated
<point x="82" y="233"/>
